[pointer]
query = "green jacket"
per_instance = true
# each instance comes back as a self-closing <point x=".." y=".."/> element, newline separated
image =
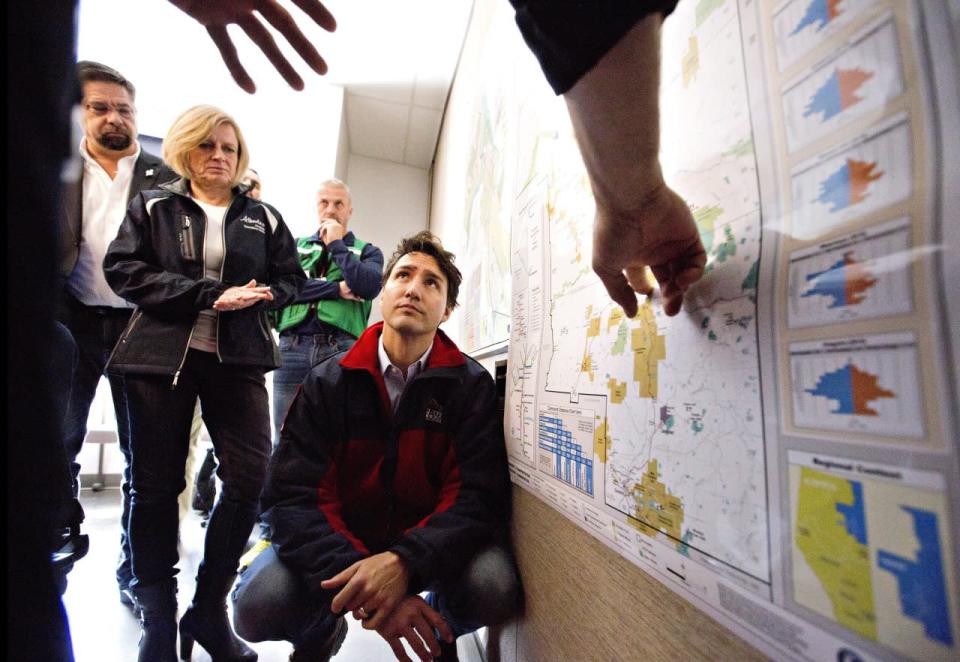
<point x="357" y="262"/>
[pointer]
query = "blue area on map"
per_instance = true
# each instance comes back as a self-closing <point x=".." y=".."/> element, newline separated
<point x="835" y="190"/>
<point x="853" y="516"/>
<point x="826" y="100"/>
<point x="831" y="283"/>
<point x="836" y="385"/>
<point x="817" y="12"/>
<point x="922" y="585"/>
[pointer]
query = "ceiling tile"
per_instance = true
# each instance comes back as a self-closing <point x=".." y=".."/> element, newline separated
<point x="377" y="128"/>
<point x="394" y="91"/>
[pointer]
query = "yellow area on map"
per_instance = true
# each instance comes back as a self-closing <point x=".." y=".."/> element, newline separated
<point x="618" y="390"/>
<point x="601" y="441"/>
<point x="837" y="558"/>
<point x="616" y="316"/>
<point x="649" y="348"/>
<point x="593" y="330"/>
<point x="691" y="61"/>
<point x="656" y="508"/>
<point x="586" y="365"/>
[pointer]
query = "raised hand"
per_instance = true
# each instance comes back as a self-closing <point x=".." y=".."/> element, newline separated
<point x="216" y="15"/>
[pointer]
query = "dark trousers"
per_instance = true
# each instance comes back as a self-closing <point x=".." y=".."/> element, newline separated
<point x="271" y="602"/>
<point x="96" y="330"/>
<point x="234" y="406"/>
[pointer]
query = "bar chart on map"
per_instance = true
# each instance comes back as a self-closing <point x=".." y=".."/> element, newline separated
<point x="860" y="276"/>
<point x="868" y="173"/>
<point x="860" y="80"/>
<point x="868" y="384"/>
<point x="802" y="25"/>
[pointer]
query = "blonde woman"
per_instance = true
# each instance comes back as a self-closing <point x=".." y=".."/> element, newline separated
<point x="203" y="264"/>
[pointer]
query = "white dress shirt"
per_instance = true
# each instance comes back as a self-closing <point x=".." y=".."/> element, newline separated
<point x="104" y="206"/>
<point x="393" y="376"/>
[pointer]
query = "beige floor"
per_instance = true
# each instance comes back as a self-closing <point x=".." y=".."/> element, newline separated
<point x="103" y="630"/>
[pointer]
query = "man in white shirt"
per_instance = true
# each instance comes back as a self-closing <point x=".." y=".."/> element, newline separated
<point x="114" y="169"/>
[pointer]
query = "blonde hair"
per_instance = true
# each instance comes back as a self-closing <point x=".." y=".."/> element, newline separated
<point x="194" y="126"/>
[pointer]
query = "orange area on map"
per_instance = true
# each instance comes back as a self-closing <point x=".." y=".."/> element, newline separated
<point x="861" y="173"/>
<point x="865" y="388"/>
<point x="850" y="81"/>
<point x="858" y="280"/>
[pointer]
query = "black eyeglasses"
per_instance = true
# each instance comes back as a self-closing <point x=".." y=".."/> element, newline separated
<point x="100" y="109"/>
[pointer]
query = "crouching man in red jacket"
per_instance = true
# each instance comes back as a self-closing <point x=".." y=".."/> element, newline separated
<point x="390" y="479"/>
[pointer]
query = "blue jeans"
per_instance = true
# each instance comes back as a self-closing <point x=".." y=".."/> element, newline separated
<point x="233" y="400"/>
<point x="96" y="330"/>
<point x="270" y="602"/>
<point x="298" y="355"/>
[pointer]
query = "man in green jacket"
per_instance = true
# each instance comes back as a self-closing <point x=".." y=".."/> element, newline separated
<point x="343" y="277"/>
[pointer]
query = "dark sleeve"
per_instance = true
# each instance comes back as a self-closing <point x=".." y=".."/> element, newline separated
<point x="570" y="36"/>
<point x="132" y="270"/>
<point x="300" y="500"/>
<point x="363" y="275"/>
<point x="286" y="275"/>
<point x="474" y="500"/>
<point x="315" y="289"/>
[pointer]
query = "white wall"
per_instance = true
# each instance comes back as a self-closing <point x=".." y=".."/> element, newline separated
<point x="390" y="201"/>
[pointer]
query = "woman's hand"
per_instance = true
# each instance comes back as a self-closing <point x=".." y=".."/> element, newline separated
<point x="242" y="296"/>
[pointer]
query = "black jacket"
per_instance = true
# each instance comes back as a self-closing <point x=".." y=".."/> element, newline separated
<point x="349" y="479"/>
<point x="156" y="262"/>
<point x="149" y="172"/>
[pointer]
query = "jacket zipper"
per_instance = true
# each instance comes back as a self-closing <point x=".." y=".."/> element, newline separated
<point x="223" y="262"/>
<point x="137" y="314"/>
<point x="203" y="270"/>
<point x="263" y="327"/>
<point x="186" y="239"/>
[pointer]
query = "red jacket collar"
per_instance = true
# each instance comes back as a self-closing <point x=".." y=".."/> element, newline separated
<point x="363" y="355"/>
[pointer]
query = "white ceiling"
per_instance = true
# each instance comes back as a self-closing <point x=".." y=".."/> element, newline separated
<point x="396" y="61"/>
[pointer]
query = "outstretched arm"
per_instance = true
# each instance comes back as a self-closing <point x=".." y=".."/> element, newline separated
<point x="216" y="15"/>
<point x="640" y="222"/>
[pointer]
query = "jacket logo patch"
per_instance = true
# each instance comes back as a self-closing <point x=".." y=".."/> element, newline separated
<point x="434" y="413"/>
<point x="254" y="224"/>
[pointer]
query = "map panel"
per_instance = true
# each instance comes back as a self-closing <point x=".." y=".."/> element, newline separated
<point x="871" y="553"/>
<point x="858" y="276"/>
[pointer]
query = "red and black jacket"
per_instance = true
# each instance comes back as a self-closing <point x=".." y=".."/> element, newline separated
<point x="349" y="479"/>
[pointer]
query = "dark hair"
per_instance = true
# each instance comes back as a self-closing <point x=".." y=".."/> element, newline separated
<point x="89" y="71"/>
<point x="427" y="243"/>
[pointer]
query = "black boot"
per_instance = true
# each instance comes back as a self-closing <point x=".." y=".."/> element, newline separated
<point x="158" y="620"/>
<point x="206" y="621"/>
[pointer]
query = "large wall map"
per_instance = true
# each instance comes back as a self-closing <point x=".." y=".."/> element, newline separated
<point x="777" y="453"/>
